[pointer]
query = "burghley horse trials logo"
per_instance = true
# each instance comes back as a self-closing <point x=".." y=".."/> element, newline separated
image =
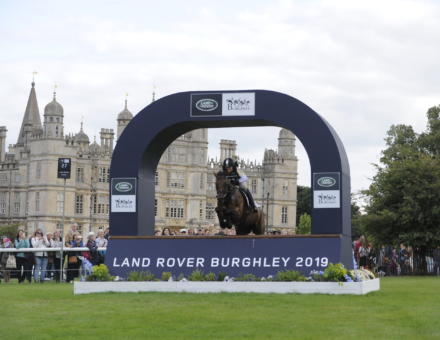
<point x="206" y="104"/>
<point x="238" y="104"/>
<point x="123" y="186"/>
<point x="326" y="182"/>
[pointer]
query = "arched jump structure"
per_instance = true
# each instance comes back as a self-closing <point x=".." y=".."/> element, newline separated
<point x="152" y="130"/>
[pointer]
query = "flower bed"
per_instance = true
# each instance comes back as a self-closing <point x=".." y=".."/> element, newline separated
<point x="334" y="280"/>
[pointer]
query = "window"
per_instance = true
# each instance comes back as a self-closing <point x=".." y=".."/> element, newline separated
<point x="156" y="178"/>
<point x="254" y="186"/>
<point x="176" y="180"/>
<point x="79" y="204"/>
<point x="210" y="211"/>
<point x="155" y="207"/>
<point x="4" y="178"/>
<point x="285" y="188"/>
<point x="37" y="201"/>
<point x="38" y="170"/>
<point x="80" y="175"/>
<point x="284" y="215"/>
<point x="201" y="210"/>
<point x="174" y="209"/>
<point x="104" y="175"/>
<point x="100" y="204"/>
<point x="16" y="209"/>
<point x="2" y="203"/>
<point x="60" y="202"/>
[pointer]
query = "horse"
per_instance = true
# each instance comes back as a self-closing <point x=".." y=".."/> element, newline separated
<point x="232" y="208"/>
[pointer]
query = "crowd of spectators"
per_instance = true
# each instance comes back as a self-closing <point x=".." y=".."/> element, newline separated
<point x="39" y="266"/>
<point x="389" y="260"/>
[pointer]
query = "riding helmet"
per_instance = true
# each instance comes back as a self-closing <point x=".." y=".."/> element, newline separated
<point x="229" y="163"/>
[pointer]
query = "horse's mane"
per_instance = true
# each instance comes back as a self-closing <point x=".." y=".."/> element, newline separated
<point x="220" y="173"/>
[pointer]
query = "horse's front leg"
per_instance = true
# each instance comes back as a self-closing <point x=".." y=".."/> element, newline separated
<point x="223" y="220"/>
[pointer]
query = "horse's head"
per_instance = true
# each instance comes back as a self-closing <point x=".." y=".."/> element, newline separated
<point x="222" y="185"/>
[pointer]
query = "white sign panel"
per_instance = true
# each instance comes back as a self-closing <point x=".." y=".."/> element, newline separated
<point x="326" y="199"/>
<point x="238" y="104"/>
<point x="123" y="203"/>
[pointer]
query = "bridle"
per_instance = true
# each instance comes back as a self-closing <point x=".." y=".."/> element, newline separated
<point x="223" y="194"/>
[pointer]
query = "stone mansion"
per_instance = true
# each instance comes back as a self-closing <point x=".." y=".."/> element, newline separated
<point x="33" y="196"/>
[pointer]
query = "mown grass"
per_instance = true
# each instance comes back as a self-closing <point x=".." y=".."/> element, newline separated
<point x="404" y="308"/>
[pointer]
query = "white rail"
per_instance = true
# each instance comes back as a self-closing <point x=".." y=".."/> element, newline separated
<point x="30" y="250"/>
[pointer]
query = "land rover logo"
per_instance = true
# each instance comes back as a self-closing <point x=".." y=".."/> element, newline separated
<point x="123" y="186"/>
<point x="206" y="104"/>
<point x="326" y="182"/>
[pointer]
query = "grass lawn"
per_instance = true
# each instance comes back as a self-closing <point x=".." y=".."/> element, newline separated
<point x="404" y="308"/>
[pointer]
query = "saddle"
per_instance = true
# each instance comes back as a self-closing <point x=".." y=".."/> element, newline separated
<point x="246" y="197"/>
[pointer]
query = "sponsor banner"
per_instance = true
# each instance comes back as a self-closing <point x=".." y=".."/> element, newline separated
<point x="326" y="199"/>
<point x="233" y="256"/>
<point x="326" y="190"/>
<point x="238" y="104"/>
<point x="123" y="195"/>
<point x="223" y="104"/>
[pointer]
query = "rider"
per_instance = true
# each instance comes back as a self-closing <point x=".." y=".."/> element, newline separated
<point x="230" y="171"/>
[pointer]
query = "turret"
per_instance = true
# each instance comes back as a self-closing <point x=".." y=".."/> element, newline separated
<point x="53" y="119"/>
<point x="124" y="118"/>
<point x="3" y="131"/>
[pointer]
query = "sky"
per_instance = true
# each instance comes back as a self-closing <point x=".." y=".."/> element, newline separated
<point x="362" y="65"/>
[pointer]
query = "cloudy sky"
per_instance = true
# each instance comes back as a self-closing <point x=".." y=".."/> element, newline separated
<point x="362" y="65"/>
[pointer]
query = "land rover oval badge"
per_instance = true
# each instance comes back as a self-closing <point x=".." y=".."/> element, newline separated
<point x="123" y="186"/>
<point x="326" y="182"/>
<point x="206" y="104"/>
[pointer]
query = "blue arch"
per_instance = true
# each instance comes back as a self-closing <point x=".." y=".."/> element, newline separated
<point x="146" y="137"/>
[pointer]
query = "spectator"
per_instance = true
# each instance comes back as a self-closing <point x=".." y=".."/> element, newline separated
<point x="166" y="231"/>
<point x="6" y="243"/>
<point x="107" y="233"/>
<point x="436" y="257"/>
<point x="74" y="262"/>
<point x="101" y="242"/>
<point x="24" y="268"/>
<point x="403" y="259"/>
<point x="157" y="232"/>
<point x="50" y="270"/>
<point x="92" y="254"/>
<point x="40" y="241"/>
<point x="363" y="254"/>
<point x="70" y="235"/>
<point x="57" y="242"/>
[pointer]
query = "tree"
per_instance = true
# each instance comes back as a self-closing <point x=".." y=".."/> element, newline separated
<point x="405" y="191"/>
<point x="304" y="202"/>
<point x="304" y="225"/>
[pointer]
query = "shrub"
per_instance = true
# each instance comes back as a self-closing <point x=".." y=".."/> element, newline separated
<point x="166" y="276"/>
<point x="141" y="276"/>
<point x="210" y="277"/>
<point x="335" y="272"/>
<point x="247" y="277"/>
<point x="196" y="275"/>
<point x="221" y="276"/>
<point x="100" y="273"/>
<point x="289" y="275"/>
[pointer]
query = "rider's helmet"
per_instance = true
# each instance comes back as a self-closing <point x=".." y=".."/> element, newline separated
<point x="229" y="163"/>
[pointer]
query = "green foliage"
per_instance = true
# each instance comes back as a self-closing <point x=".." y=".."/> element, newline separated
<point x="304" y="202"/>
<point x="305" y="225"/>
<point x="405" y="191"/>
<point x="166" y="276"/>
<point x="289" y="275"/>
<point x="335" y="272"/>
<point x="247" y="277"/>
<point x="221" y="276"/>
<point x="210" y="277"/>
<point x="9" y="230"/>
<point x="141" y="276"/>
<point x="196" y="275"/>
<point x="100" y="273"/>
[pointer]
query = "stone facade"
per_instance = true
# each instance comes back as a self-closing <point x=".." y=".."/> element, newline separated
<point x="32" y="195"/>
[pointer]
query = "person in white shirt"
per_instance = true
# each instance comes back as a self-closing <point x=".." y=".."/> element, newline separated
<point x="40" y="241"/>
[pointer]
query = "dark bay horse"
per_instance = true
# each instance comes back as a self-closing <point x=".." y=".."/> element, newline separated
<point x="232" y="209"/>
